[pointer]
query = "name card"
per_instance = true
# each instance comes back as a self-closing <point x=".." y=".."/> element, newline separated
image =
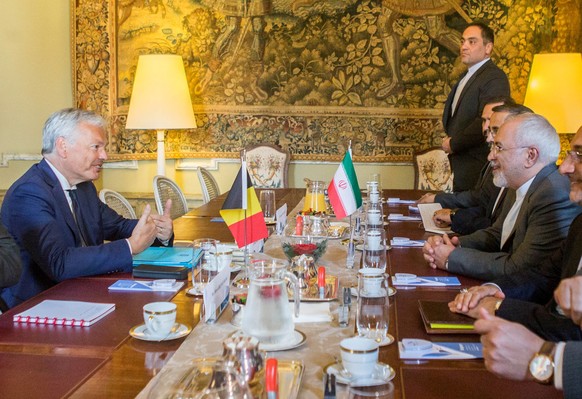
<point x="216" y="295"/>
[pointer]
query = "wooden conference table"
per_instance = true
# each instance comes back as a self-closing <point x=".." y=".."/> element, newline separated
<point x="105" y="361"/>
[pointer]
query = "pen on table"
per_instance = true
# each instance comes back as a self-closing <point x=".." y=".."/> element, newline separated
<point x="271" y="379"/>
<point x="321" y="281"/>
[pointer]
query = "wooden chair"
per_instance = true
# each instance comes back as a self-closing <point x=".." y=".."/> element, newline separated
<point x="208" y="184"/>
<point x="165" y="188"/>
<point x="118" y="203"/>
<point x="432" y="170"/>
<point x="268" y="165"/>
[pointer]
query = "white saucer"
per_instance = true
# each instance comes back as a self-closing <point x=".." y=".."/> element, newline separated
<point x="141" y="332"/>
<point x="294" y="341"/>
<point x="195" y="291"/>
<point x="391" y="291"/>
<point x="381" y="375"/>
<point x="234" y="267"/>
<point x="389" y="339"/>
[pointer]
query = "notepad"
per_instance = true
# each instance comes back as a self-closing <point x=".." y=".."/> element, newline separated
<point x="426" y="212"/>
<point x="65" y="313"/>
<point x="167" y="256"/>
<point x="438" y="319"/>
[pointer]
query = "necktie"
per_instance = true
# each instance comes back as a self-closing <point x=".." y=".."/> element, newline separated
<point x="458" y="92"/>
<point x="78" y="216"/>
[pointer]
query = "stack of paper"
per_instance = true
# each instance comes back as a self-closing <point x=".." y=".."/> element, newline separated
<point x="168" y="256"/>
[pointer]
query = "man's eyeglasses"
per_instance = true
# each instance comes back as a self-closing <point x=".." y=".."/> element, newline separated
<point x="491" y="130"/>
<point x="574" y="155"/>
<point x="496" y="148"/>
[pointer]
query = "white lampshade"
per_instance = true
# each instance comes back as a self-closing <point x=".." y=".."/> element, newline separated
<point x="554" y="90"/>
<point x="160" y="99"/>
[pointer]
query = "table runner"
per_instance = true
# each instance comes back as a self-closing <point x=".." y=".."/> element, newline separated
<point x="323" y="339"/>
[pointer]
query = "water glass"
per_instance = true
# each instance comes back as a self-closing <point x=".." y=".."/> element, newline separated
<point x="373" y="310"/>
<point x="363" y="388"/>
<point x="207" y="261"/>
<point x="374" y="254"/>
<point x="267" y="201"/>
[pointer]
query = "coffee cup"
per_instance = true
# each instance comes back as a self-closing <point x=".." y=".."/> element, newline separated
<point x="372" y="279"/>
<point x="223" y="256"/>
<point x="159" y="318"/>
<point x="359" y="356"/>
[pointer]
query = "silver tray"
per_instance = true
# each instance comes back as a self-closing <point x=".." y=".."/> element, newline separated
<point x="311" y="293"/>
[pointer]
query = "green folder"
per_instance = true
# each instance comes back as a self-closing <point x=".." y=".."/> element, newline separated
<point x="168" y="256"/>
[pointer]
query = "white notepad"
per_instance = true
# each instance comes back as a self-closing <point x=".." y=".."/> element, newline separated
<point x="65" y="313"/>
<point x="426" y="212"/>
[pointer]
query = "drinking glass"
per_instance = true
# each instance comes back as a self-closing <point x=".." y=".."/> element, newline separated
<point x="373" y="310"/>
<point x="361" y="389"/>
<point x="267" y="201"/>
<point x="374" y="254"/>
<point x="207" y="262"/>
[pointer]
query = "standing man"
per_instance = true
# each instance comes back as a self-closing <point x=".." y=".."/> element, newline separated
<point x="57" y="219"/>
<point x="465" y="143"/>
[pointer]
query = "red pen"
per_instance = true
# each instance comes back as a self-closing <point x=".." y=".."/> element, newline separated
<point x="271" y="379"/>
<point x="321" y="281"/>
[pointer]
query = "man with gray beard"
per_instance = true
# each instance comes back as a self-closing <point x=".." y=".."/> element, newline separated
<point x="536" y="213"/>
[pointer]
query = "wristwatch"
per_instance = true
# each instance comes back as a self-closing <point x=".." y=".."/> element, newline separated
<point x="541" y="366"/>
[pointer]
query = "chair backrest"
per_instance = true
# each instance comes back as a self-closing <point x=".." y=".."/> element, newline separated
<point x="432" y="170"/>
<point x="268" y="165"/>
<point x="209" y="186"/>
<point x="118" y="203"/>
<point x="165" y="188"/>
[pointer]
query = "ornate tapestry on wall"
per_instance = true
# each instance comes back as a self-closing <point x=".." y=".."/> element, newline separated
<point x="309" y="75"/>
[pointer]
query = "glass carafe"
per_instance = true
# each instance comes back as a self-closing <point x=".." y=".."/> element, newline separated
<point x="267" y="315"/>
<point x="315" y="196"/>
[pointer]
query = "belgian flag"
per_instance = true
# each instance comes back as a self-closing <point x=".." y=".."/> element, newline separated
<point x="242" y="212"/>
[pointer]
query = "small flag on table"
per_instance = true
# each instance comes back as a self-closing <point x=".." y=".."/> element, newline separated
<point x="344" y="191"/>
<point x="242" y="212"/>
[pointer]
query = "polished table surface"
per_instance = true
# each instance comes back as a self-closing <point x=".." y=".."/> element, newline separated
<point x="104" y="361"/>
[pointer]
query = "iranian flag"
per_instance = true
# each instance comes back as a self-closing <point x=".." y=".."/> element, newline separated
<point x="344" y="191"/>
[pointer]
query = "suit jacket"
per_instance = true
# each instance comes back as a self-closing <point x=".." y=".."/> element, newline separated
<point x="529" y="292"/>
<point x="469" y="150"/>
<point x="571" y="369"/>
<point x="10" y="265"/>
<point x="37" y="214"/>
<point x="475" y="207"/>
<point x="540" y="227"/>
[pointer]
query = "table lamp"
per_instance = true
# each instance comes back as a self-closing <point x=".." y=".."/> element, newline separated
<point x="160" y="99"/>
<point x="554" y="89"/>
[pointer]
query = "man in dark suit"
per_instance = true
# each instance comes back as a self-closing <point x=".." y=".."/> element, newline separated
<point x="509" y="347"/>
<point x="10" y="265"/>
<point x="536" y="213"/>
<point x="526" y="296"/>
<point x="461" y="117"/>
<point x="57" y="219"/>
<point x="468" y="211"/>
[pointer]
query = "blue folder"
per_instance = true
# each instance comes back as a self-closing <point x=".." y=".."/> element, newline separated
<point x="168" y="256"/>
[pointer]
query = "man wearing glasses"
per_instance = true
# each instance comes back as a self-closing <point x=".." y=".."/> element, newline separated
<point x="468" y="211"/>
<point x="536" y="213"/>
<point x="518" y="351"/>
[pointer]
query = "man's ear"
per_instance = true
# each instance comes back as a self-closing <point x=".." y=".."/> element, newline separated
<point x="61" y="147"/>
<point x="533" y="155"/>
<point x="488" y="49"/>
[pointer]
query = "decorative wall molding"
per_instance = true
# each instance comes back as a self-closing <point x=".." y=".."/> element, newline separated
<point x="7" y="157"/>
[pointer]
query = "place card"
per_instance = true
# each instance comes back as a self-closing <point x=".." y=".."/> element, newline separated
<point x="216" y="295"/>
<point x="281" y="218"/>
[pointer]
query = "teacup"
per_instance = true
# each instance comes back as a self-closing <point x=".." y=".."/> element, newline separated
<point x="359" y="356"/>
<point x="159" y="318"/>
<point x="223" y="256"/>
<point x="372" y="281"/>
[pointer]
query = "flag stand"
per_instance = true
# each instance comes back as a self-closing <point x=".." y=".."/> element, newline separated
<point x="242" y="280"/>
